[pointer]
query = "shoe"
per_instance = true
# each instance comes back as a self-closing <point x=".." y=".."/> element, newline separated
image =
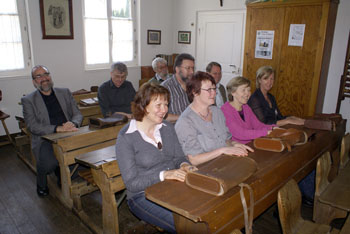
<point x="308" y="202"/>
<point x="42" y="192"/>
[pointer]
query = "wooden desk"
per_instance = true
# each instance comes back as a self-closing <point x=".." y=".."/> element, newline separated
<point x="71" y="144"/>
<point x="198" y="212"/>
<point x="87" y="111"/>
<point x="106" y="174"/>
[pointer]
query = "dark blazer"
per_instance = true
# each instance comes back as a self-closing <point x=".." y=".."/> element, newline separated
<point x="262" y="109"/>
<point x="37" y="118"/>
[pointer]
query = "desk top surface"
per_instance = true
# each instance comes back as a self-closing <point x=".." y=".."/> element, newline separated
<point x="274" y="170"/>
<point x="97" y="158"/>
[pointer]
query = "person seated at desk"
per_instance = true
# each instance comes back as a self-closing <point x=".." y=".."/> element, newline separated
<point x="148" y="152"/>
<point x="264" y="104"/>
<point x="116" y="94"/>
<point x="48" y="110"/>
<point x="240" y="119"/>
<point x="214" y="69"/>
<point x="201" y="128"/>
<point x="184" y="69"/>
<point x="160" y="67"/>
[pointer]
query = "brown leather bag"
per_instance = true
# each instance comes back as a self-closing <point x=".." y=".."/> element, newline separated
<point x="115" y="119"/>
<point x="327" y="122"/>
<point x="222" y="173"/>
<point x="280" y="138"/>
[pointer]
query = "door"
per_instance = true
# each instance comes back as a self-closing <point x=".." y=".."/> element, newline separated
<point x="220" y="39"/>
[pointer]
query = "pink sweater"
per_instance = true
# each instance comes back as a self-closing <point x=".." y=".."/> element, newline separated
<point x="247" y="130"/>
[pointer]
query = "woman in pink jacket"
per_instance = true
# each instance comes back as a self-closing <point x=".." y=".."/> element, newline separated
<point x="240" y="119"/>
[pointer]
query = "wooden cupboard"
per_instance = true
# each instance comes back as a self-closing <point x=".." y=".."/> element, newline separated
<point x="301" y="71"/>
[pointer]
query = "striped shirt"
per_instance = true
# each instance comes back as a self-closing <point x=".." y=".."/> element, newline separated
<point x="178" y="97"/>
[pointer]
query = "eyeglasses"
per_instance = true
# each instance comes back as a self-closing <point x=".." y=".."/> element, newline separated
<point x="40" y="76"/>
<point x="188" y="68"/>
<point x="210" y="90"/>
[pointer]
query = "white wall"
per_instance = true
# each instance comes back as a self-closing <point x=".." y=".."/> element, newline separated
<point x="341" y="35"/>
<point x="186" y="15"/>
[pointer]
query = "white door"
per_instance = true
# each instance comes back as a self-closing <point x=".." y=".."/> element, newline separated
<point x="220" y="39"/>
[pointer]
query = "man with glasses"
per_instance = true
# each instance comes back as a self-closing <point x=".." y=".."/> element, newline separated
<point x="48" y="110"/>
<point x="214" y="69"/>
<point x="184" y="70"/>
<point x="160" y="67"/>
<point x="116" y="94"/>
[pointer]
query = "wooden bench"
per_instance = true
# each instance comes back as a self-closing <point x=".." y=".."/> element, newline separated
<point x="106" y="175"/>
<point x="66" y="147"/>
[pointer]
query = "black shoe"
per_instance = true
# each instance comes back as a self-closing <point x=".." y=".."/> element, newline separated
<point x="308" y="202"/>
<point x="42" y="192"/>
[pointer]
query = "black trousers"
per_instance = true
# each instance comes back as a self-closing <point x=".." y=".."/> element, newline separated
<point x="46" y="163"/>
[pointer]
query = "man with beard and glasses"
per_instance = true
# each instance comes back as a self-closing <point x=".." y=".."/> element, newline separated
<point x="48" y="110"/>
<point x="184" y="69"/>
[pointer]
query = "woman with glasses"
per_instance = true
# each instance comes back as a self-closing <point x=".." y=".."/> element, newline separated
<point x="201" y="128"/>
<point x="240" y="119"/>
<point x="148" y="151"/>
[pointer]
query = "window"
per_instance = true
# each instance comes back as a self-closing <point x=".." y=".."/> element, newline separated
<point x="109" y="32"/>
<point x="14" y="44"/>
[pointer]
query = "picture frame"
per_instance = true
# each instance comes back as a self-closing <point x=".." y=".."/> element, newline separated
<point x="154" y="37"/>
<point x="184" y="37"/>
<point x="56" y="19"/>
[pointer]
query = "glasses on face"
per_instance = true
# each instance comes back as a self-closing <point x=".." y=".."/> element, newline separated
<point x="210" y="90"/>
<point x="188" y="68"/>
<point x="40" y="76"/>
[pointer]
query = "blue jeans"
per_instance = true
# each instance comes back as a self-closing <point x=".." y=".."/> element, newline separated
<point x="307" y="185"/>
<point x="151" y="212"/>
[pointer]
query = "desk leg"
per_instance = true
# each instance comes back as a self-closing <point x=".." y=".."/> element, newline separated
<point x="109" y="204"/>
<point x="184" y="225"/>
<point x="63" y="195"/>
<point x="7" y="132"/>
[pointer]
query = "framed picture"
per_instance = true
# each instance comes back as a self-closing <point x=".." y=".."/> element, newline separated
<point x="153" y="37"/>
<point x="56" y="19"/>
<point x="184" y="37"/>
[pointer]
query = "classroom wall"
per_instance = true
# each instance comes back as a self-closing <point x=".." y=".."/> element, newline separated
<point x="64" y="58"/>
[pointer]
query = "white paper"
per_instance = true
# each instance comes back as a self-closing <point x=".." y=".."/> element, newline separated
<point x="296" y="34"/>
<point x="264" y="44"/>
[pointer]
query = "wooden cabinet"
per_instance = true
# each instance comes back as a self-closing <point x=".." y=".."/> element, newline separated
<point x="301" y="72"/>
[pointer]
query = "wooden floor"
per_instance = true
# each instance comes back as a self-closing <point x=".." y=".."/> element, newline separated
<point x="22" y="211"/>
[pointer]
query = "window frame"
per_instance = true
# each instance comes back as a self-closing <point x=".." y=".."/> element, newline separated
<point x="99" y="66"/>
<point x="26" y="43"/>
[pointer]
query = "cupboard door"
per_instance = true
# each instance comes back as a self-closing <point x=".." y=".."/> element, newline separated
<point x="261" y="19"/>
<point x="298" y="74"/>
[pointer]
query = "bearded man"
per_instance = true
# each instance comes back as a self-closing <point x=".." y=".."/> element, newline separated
<point x="184" y="70"/>
<point x="48" y="110"/>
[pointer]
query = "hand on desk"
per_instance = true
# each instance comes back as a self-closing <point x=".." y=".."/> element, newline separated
<point x="176" y="174"/>
<point x="187" y="167"/>
<point x="237" y="149"/>
<point x="67" y="127"/>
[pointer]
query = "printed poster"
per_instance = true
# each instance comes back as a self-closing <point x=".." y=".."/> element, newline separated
<point x="296" y="34"/>
<point x="264" y="44"/>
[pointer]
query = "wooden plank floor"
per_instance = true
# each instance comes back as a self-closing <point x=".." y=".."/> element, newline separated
<point x="22" y="211"/>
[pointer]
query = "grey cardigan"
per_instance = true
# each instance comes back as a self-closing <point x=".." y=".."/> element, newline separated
<point x="140" y="162"/>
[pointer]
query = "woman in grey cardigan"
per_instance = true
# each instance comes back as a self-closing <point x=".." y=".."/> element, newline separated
<point x="148" y="152"/>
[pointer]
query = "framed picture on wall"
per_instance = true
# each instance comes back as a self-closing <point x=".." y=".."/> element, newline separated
<point x="56" y="19"/>
<point x="153" y="37"/>
<point x="184" y="37"/>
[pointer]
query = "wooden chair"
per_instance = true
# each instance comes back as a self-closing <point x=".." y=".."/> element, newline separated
<point x="345" y="151"/>
<point x="324" y="213"/>
<point x="289" y="205"/>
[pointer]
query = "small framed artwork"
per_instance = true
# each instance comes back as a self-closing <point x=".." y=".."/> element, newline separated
<point x="184" y="37"/>
<point x="153" y="37"/>
<point x="56" y="19"/>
